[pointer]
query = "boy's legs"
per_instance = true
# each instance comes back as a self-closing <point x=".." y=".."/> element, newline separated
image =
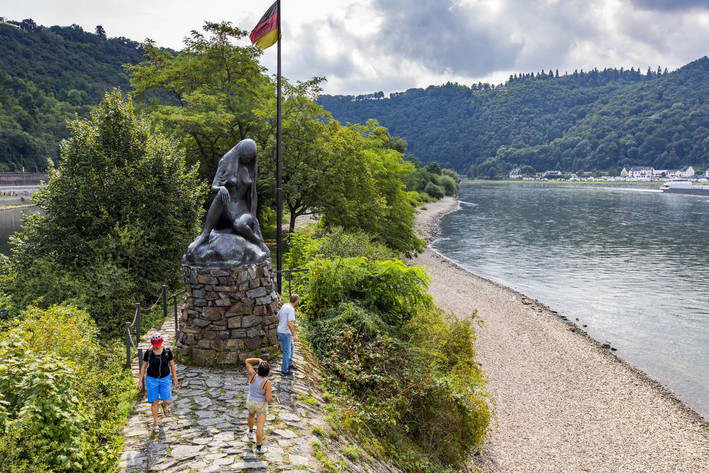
<point x="290" y="353"/>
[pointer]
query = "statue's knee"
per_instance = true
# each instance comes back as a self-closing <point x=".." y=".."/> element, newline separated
<point x="239" y="226"/>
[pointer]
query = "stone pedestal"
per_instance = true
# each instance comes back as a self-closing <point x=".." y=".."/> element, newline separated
<point x="230" y="314"/>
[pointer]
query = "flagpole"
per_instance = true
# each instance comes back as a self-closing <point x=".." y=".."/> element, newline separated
<point x="279" y="200"/>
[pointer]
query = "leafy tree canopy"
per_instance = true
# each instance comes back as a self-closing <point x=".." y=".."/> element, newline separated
<point x="209" y="96"/>
<point x="117" y="215"/>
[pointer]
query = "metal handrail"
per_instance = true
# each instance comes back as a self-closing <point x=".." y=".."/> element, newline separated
<point x="290" y="272"/>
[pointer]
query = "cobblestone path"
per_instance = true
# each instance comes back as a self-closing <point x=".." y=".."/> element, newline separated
<point x="207" y="429"/>
<point x="206" y="432"/>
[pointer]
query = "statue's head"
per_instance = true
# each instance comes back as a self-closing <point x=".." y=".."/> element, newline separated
<point x="246" y="150"/>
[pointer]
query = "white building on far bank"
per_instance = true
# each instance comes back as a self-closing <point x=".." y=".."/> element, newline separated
<point x="638" y="172"/>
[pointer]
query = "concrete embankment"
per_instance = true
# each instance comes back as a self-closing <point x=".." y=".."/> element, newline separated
<point x="13" y="197"/>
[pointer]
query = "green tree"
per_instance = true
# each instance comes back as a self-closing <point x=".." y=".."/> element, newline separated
<point x="118" y="214"/>
<point x="363" y="186"/>
<point x="350" y="199"/>
<point x="210" y="95"/>
<point x="304" y="154"/>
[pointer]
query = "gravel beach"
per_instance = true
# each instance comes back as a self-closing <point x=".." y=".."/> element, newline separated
<point x="563" y="403"/>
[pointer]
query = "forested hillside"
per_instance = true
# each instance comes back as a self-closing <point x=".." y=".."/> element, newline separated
<point x="49" y="75"/>
<point x="585" y="121"/>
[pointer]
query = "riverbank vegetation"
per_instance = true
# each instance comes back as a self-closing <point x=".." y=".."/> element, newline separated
<point x="117" y="214"/>
<point x="402" y="371"/>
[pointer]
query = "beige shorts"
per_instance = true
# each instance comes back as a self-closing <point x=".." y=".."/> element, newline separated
<point x="259" y="408"/>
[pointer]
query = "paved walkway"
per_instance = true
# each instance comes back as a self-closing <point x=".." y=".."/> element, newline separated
<point x="206" y="431"/>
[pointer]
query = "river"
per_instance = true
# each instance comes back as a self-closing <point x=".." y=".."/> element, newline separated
<point x="10" y="222"/>
<point x="629" y="265"/>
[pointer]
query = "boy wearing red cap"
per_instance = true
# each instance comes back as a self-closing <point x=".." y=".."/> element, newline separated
<point x="158" y="365"/>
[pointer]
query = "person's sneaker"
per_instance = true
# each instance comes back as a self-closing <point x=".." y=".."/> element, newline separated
<point x="286" y="374"/>
<point x="261" y="449"/>
<point x="293" y="368"/>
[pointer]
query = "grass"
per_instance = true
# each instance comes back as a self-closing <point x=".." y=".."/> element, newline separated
<point x="321" y="455"/>
<point x="352" y="453"/>
<point x="319" y="431"/>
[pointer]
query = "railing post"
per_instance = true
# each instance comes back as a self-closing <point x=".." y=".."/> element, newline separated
<point x="127" y="344"/>
<point x="164" y="301"/>
<point x="137" y="323"/>
<point x="177" y="327"/>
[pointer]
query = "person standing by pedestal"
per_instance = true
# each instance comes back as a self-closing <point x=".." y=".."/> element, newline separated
<point x="286" y="333"/>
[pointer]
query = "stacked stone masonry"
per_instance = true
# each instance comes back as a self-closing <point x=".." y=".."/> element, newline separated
<point x="230" y="314"/>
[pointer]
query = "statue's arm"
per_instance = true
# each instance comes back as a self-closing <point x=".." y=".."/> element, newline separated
<point x="220" y="179"/>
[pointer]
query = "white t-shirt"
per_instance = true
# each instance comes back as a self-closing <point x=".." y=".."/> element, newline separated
<point x="285" y="315"/>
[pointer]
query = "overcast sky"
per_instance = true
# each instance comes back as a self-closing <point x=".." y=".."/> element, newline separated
<point x="364" y="46"/>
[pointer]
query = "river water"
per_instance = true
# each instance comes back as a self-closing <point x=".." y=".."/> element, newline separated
<point x="630" y="263"/>
<point x="10" y="222"/>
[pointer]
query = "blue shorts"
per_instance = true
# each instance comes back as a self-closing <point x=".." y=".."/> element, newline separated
<point x="159" y="388"/>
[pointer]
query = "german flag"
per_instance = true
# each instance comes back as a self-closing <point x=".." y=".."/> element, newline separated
<point x="266" y="33"/>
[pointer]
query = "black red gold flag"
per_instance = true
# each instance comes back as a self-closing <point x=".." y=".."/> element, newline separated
<point x="266" y="33"/>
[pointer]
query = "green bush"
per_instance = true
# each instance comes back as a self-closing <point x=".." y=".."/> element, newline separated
<point x="64" y="396"/>
<point x="390" y="288"/>
<point x="430" y="405"/>
<point x="434" y="190"/>
<point x="334" y="243"/>
<point x="104" y="289"/>
<point x="448" y="184"/>
<point x="405" y="372"/>
<point x="451" y="173"/>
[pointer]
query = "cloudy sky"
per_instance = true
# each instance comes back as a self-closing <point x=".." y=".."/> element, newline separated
<point x="364" y="46"/>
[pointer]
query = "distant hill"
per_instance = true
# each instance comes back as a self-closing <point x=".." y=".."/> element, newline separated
<point x="585" y="121"/>
<point x="49" y="75"/>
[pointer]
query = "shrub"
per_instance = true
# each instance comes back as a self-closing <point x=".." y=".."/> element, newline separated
<point x="64" y="396"/>
<point x="390" y="288"/>
<point x="334" y="243"/>
<point x="434" y="190"/>
<point x="448" y="184"/>
<point x="402" y="368"/>
<point x="451" y="173"/>
<point x="426" y="392"/>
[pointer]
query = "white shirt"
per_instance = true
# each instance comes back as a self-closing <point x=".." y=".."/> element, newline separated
<point x="285" y="315"/>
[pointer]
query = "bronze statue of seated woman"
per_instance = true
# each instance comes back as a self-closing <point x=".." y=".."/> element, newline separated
<point x="231" y="218"/>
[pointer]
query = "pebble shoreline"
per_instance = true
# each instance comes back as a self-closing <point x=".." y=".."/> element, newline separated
<point x="563" y="402"/>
